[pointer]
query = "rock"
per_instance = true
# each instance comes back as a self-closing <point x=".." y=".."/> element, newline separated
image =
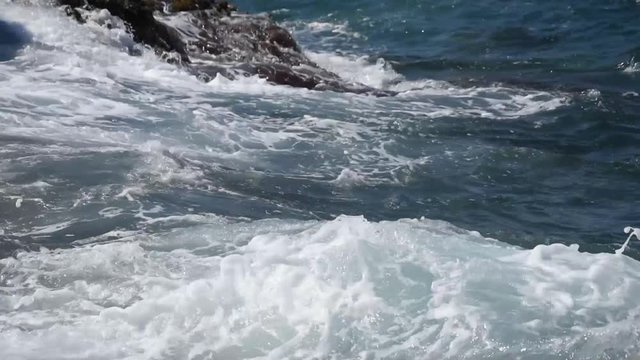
<point x="209" y="37"/>
<point x="222" y="7"/>
<point x="138" y="14"/>
<point x="74" y="13"/>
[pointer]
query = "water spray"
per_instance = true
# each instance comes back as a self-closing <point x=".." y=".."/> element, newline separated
<point x="632" y="232"/>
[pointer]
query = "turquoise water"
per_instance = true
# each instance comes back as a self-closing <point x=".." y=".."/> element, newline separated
<point x="147" y="215"/>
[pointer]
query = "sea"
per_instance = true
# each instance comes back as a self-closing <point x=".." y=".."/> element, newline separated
<point x="145" y="214"/>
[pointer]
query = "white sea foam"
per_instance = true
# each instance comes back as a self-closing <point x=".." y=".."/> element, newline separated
<point x="349" y="177"/>
<point x="324" y="31"/>
<point x="361" y="69"/>
<point x="340" y="28"/>
<point x="343" y="289"/>
<point x="631" y="66"/>
<point x="490" y="102"/>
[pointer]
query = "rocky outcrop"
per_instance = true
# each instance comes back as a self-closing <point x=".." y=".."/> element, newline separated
<point x="209" y="37"/>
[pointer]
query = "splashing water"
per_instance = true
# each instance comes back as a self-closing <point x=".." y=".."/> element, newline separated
<point x="342" y="289"/>
<point x="632" y="232"/>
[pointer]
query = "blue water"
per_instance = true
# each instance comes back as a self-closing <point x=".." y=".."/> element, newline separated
<point x="519" y="121"/>
<point x="12" y="38"/>
<point x="561" y="176"/>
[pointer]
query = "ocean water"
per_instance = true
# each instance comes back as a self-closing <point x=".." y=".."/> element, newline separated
<point x="147" y="215"/>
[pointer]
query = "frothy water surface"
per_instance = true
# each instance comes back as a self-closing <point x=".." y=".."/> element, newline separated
<point x="147" y="215"/>
<point x="342" y="289"/>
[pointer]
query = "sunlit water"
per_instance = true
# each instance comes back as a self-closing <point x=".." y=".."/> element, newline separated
<point x="147" y="215"/>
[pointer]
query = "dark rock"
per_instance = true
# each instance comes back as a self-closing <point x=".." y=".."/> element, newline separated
<point x="73" y="3"/>
<point x="281" y="37"/>
<point x="73" y="12"/>
<point x="138" y="14"/>
<point x="223" y="7"/>
<point x="211" y="38"/>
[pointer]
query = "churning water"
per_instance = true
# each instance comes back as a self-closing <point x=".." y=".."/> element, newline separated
<point x="147" y="215"/>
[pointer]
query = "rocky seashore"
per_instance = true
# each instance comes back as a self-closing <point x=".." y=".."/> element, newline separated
<point x="211" y="37"/>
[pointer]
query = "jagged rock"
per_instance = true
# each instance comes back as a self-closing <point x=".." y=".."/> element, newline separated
<point x="210" y="38"/>
<point x="138" y="14"/>
<point x="222" y="7"/>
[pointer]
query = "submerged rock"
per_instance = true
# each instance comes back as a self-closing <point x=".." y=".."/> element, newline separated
<point x="209" y="37"/>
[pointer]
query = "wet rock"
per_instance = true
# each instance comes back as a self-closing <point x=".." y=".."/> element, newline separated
<point x="279" y="36"/>
<point x="73" y="12"/>
<point x="209" y="37"/>
<point x="139" y="16"/>
<point x="223" y="7"/>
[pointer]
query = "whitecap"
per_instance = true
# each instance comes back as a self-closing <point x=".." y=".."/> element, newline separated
<point x="278" y="289"/>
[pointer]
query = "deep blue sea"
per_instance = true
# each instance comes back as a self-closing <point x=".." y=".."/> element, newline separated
<point x="475" y="215"/>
